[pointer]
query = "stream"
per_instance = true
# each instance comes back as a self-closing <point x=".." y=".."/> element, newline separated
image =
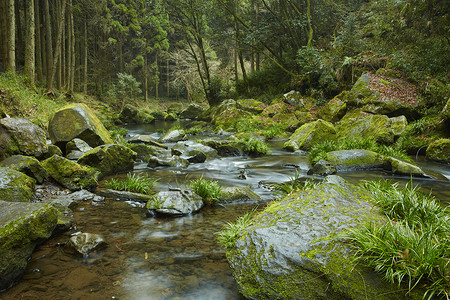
<point x="170" y="258"/>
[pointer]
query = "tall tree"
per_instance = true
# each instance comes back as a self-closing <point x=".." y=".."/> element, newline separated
<point x="30" y="42"/>
<point x="57" y="53"/>
<point x="11" y="36"/>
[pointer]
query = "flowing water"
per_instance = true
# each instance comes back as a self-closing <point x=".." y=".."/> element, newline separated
<point x="168" y="258"/>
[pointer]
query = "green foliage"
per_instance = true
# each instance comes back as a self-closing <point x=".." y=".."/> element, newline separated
<point x="125" y="87"/>
<point x="414" y="245"/>
<point x="295" y="184"/>
<point x="319" y="151"/>
<point x="274" y="130"/>
<point x="230" y="232"/>
<point x="254" y="146"/>
<point x="133" y="183"/>
<point x="208" y="190"/>
<point x="418" y="135"/>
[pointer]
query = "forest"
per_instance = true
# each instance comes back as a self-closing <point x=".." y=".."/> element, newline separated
<point x="219" y="49"/>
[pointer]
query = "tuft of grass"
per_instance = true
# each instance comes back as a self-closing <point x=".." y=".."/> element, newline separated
<point x="414" y="245"/>
<point x="319" y="151"/>
<point x="274" y="130"/>
<point x="295" y="184"/>
<point x="133" y="183"/>
<point x="230" y="232"/>
<point x="254" y="146"/>
<point x="208" y="190"/>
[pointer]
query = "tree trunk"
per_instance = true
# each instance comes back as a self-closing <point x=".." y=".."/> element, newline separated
<point x="38" y="47"/>
<point x="168" y="79"/>
<point x="48" y="45"/>
<point x="3" y="35"/>
<point x="72" y="50"/>
<point x="85" y="57"/>
<point x="11" y="36"/>
<point x="146" y="77"/>
<point x="30" y="45"/>
<point x="157" y="78"/>
<point x="310" y="29"/>
<point x="58" y="45"/>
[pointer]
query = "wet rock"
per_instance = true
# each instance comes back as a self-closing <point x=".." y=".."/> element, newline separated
<point x="109" y="159"/>
<point x="175" y="108"/>
<point x="77" y="121"/>
<point x="298" y="240"/>
<point x="175" y="203"/>
<point x="71" y="199"/>
<point x="15" y="186"/>
<point x="125" y="196"/>
<point x="146" y="139"/>
<point x="238" y="195"/>
<point x="290" y="120"/>
<point x="22" y="227"/>
<point x="322" y="168"/>
<point x="439" y="150"/>
<point x="225" y="148"/>
<point x="309" y="134"/>
<point x="20" y="136"/>
<point x="86" y="242"/>
<point x="173" y="136"/>
<point x="26" y="164"/>
<point x="167" y="161"/>
<point x="193" y="152"/>
<point x="76" y="148"/>
<point x="227" y="113"/>
<point x="400" y="167"/>
<point x="71" y="174"/>
<point x="193" y="111"/>
<point x="65" y="218"/>
<point x="143" y="150"/>
<point x="356" y="159"/>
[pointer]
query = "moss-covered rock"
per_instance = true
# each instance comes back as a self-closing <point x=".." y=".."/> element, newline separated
<point x="22" y="227"/>
<point x="15" y="186"/>
<point x="225" y="148"/>
<point x="132" y="114"/>
<point x="71" y="174"/>
<point x="143" y="151"/>
<point x="274" y="108"/>
<point x="227" y="113"/>
<point x="173" y="136"/>
<point x="109" y="159"/>
<point x="289" y="120"/>
<point x="20" y="136"/>
<point x="238" y="195"/>
<point x="146" y="139"/>
<point x="439" y="151"/>
<point x="356" y="159"/>
<point x="76" y="148"/>
<point x="77" y="121"/>
<point x="361" y="93"/>
<point x="294" y="249"/>
<point x="86" y="242"/>
<point x="309" y="134"/>
<point x="251" y="105"/>
<point x="400" y="167"/>
<point x="26" y="164"/>
<point x="175" y="203"/>
<point x="175" y="108"/>
<point x="333" y="111"/>
<point x="383" y="129"/>
<point x="193" y="111"/>
<point x="170" y="117"/>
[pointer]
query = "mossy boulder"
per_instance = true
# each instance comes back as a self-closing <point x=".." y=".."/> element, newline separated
<point x="193" y="111"/>
<point x="22" y="227"/>
<point x="173" y="136"/>
<point x="361" y="93"/>
<point x="333" y="111"/>
<point x="274" y="108"/>
<point x="225" y="148"/>
<point x="15" y="186"/>
<point x="76" y="148"/>
<point x="356" y="159"/>
<point x="109" y="159"/>
<point x="143" y="151"/>
<point x="309" y="134"/>
<point x="175" y="108"/>
<point x="358" y="124"/>
<point x="77" y="120"/>
<point x="170" y="117"/>
<point x="295" y="249"/>
<point x="71" y="174"/>
<point x="439" y="150"/>
<point x="227" y="113"/>
<point x="148" y="140"/>
<point x="20" y="136"/>
<point x="251" y="105"/>
<point x="175" y="203"/>
<point x="401" y="167"/>
<point x="289" y="120"/>
<point x="134" y="115"/>
<point x="238" y="195"/>
<point x="191" y="149"/>
<point x="26" y="164"/>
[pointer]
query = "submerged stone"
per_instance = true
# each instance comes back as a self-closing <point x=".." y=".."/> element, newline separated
<point x="175" y="203"/>
<point x="86" y="242"/>
<point x="238" y="195"/>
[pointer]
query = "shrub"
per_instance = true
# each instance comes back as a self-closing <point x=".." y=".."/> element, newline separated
<point x="133" y="183"/>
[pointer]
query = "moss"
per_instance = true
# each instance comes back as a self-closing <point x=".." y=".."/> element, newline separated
<point x="15" y="186"/>
<point x="439" y="150"/>
<point x="309" y="134"/>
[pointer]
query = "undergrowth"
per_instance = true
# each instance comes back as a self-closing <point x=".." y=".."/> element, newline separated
<point x="133" y="183"/>
<point x="208" y="190"/>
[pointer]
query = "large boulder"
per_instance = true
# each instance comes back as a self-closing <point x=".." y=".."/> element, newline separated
<point x="77" y="121"/>
<point x="356" y="159"/>
<point x="333" y="111"/>
<point x="132" y="114"/>
<point x="173" y="136"/>
<point x="26" y="164"/>
<point x="15" y="186"/>
<point x="193" y="111"/>
<point x="76" y="148"/>
<point x="227" y="113"/>
<point x="71" y="174"/>
<point x="230" y="195"/>
<point x="22" y="227"/>
<point x="309" y="134"/>
<point x="251" y="105"/>
<point x="190" y="149"/>
<point x="225" y="148"/>
<point x="20" y="136"/>
<point x="175" y="203"/>
<point x="439" y="150"/>
<point x="383" y="129"/>
<point x="294" y="249"/>
<point x="109" y="159"/>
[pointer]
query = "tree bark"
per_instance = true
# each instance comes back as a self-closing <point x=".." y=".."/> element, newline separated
<point x="30" y="44"/>
<point x="85" y="57"/>
<point x="11" y="36"/>
<point x="58" y="45"/>
<point x="3" y="35"/>
<point x="38" y="47"/>
<point x="72" y="49"/>
<point x="48" y="45"/>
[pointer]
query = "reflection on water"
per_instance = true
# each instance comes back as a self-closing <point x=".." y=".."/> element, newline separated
<point x="168" y="258"/>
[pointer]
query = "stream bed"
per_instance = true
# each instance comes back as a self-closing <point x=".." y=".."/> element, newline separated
<point x="169" y="258"/>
